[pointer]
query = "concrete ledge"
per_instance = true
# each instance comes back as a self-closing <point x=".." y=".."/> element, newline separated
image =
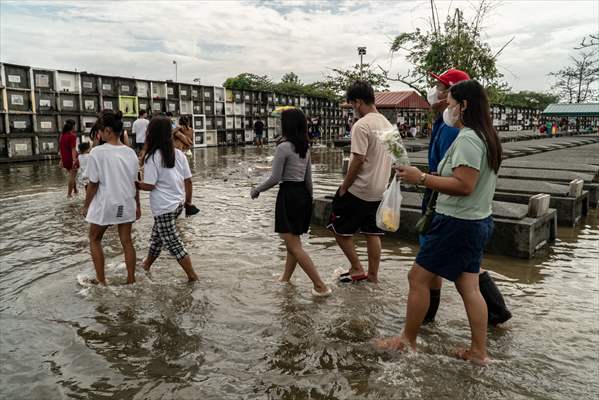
<point x="515" y="234"/>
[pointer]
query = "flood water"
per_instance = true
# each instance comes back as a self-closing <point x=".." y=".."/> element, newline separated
<point x="239" y="334"/>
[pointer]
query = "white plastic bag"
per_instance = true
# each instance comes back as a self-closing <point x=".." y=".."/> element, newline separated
<point x="387" y="215"/>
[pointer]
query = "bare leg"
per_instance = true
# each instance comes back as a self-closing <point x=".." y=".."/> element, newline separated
<point x="128" y="249"/>
<point x="70" y="183"/>
<point x="373" y="245"/>
<point x="418" y="301"/>
<point x="346" y="243"/>
<point x="73" y="179"/>
<point x="290" y="264"/>
<point x="294" y="246"/>
<point x="148" y="262"/>
<point x="467" y="285"/>
<point x="96" y="232"/>
<point x="185" y="263"/>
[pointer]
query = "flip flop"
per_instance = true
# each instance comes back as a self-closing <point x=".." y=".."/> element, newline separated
<point x="346" y="277"/>
<point x="325" y="294"/>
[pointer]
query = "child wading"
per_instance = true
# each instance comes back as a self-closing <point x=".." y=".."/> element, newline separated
<point x="82" y="179"/>
<point x="291" y="168"/>
<point x="168" y="178"/>
<point x="111" y="197"/>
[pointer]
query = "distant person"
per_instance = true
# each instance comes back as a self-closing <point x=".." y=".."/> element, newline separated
<point x="183" y="135"/>
<point x="168" y="179"/>
<point x="258" y="131"/>
<point x="140" y="126"/>
<point x="413" y="131"/>
<point x="172" y="119"/>
<point x="292" y="170"/>
<point x="111" y="198"/>
<point x="83" y="158"/>
<point x="68" y="155"/>
<point x="548" y="128"/>
<point x="357" y="199"/>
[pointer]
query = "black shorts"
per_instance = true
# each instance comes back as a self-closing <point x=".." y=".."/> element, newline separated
<point x="293" y="210"/>
<point x="351" y="215"/>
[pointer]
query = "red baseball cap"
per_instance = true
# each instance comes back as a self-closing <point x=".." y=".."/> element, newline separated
<point x="451" y="77"/>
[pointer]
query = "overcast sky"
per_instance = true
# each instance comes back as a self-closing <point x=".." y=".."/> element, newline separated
<point x="216" y="40"/>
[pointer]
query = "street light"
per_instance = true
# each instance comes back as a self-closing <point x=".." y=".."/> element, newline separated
<point x="176" y="72"/>
<point x="361" y="53"/>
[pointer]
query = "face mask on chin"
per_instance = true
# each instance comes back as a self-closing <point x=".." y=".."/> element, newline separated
<point x="449" y="117"/>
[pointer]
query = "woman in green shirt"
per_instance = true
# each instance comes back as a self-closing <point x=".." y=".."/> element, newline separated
<point x="453" y="246"/>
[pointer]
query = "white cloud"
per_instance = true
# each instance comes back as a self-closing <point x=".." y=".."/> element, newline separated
<point x="215" y="40"/>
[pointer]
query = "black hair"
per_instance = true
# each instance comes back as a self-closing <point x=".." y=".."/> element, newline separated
<point x="295" y="130"/>
<point x="360" y="90"/>
<point x="112" y="120"/>
<point x="69" y="125"/>
<point x="477" y="116"/>
<point x="142" y="112"/>
<point x="83" y="147"/>
<point x="160" y="138"/>
<point x="184" y="121"/>
<point x="169" y="114"/>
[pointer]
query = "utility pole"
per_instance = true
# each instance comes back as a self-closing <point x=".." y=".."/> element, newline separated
<point x="361" y="53"/>
<point x="176" y="72"/>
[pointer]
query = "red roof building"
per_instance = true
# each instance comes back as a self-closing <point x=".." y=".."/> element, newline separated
<point x="403" y="99"/>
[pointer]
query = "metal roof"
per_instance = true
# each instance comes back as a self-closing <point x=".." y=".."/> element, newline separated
<point x="572" y="110"/>
<point x="402" y="99"/>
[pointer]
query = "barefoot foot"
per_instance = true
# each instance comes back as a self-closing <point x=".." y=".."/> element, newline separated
<point x="399" y="343"/>
<point x="469" y="355"/>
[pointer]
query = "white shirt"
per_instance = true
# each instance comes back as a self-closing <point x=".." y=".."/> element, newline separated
<point x="139" y="128"/>
<point x="82" y="171"/>
<point x="169" y="188"/>
<point x="115" y="169"/>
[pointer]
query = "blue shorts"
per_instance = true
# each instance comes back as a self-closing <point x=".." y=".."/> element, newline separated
<point x="453" y="245"/>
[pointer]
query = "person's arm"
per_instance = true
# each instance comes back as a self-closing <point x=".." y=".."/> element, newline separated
<point x="188" y="191"/>
<point x="150" y="175"/>
<point x="355" y="166"/>
<point x="137" y="204"/>
<point x="308" y="176"/>
<point x="467" y="159"/>
<point x="359" y="146"/>
<point x="278" y="165"/>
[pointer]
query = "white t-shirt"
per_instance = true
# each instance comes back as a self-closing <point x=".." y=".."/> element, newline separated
<point x="169" y="190"/>
<point x="139" y="128"/>
<point x="82" y="178"/>
<point x="115" y="169"/>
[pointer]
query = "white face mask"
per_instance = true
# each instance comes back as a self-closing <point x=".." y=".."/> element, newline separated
<point x="449" y="117"/>
<point x="432" y="96"/>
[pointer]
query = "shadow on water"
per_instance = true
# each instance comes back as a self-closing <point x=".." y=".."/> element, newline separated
<point x="239" y="334"/>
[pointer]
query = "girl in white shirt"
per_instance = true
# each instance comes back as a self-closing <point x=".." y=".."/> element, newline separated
<point x="111" y="197"/>
<point x="168" y="179"/>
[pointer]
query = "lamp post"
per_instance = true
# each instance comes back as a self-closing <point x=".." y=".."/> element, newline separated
<point x="361" y="53"/>
<point x="176" y="72"/>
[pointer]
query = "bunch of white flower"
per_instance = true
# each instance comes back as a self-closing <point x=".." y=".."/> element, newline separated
<point x="392" y="139"/>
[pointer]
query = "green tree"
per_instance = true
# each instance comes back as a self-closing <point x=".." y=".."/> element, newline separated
<point x="339" y="80"/>
<point x="455" y="44"/>
<point x="249" y="81"/>
<point x="290" y="84"/>
<point x="527" y="99"/>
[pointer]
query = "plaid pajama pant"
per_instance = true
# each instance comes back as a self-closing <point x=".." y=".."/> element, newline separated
<point x="164" y="233"/>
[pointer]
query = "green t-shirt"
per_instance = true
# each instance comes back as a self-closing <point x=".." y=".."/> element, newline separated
<point x="470" y="151"/>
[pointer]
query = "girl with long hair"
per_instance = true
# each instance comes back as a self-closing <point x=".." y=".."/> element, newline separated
<point x="291" y="169"/>
<point x="111" y="197"/>
<point x="462" y="224"/>
<point x="168" y="179"/>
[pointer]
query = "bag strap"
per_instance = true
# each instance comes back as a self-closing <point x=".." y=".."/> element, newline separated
<point x="432" y="203"/>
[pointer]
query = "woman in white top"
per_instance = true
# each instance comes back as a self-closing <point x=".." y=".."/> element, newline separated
<point x="111" y="197"/>
<point x="168" y="179"/>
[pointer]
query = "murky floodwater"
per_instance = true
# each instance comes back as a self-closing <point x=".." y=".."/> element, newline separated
<point x="238" y="334"/>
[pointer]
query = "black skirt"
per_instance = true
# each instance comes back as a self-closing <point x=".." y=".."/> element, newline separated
<point x="293" y="210"/>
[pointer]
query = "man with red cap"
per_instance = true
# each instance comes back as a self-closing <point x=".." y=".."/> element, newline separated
<point x="442" y="137"/>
